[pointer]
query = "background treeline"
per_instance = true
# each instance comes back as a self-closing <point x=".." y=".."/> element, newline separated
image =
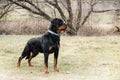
<point x="83" y="17"/>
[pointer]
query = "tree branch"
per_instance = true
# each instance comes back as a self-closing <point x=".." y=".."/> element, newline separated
<point x="38" y="12"/>
<point x="55" y="4"/>
<point x="61" y="1"/>
<point x="85" y="19"/>
<point x="69" y="9"/>
<point x="70" y="16"/>
<point x="6" y="9"/>
<point x="102" y="11"/>
<point x="79" y="4"/>
<point x="92" y="4"/>
<point x="118" y="29"/>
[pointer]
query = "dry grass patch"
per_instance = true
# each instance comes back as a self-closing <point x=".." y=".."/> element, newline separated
<point x="81" y="58"/>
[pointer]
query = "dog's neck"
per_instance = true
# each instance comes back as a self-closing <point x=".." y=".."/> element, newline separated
<point x="53" y="33"/>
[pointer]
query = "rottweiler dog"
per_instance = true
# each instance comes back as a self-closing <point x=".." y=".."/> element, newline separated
<point x="47" y="44"/>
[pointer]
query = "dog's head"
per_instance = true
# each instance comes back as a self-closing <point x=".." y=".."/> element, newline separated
<point x="57" y="25"/>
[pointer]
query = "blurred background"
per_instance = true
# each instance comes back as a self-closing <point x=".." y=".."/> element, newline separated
<point x="83" y="17"/>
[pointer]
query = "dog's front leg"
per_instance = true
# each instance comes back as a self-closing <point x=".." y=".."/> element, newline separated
<point x="46" y="55"/>
<point x="55" y="60"/>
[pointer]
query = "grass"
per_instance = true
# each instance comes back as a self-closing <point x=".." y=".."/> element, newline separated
<point x="80" y="58"/>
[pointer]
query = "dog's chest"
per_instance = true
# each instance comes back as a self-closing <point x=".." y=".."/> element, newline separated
<point x="54" y="47"/>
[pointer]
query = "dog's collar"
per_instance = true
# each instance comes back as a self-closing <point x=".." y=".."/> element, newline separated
<point x="53" y="33"/>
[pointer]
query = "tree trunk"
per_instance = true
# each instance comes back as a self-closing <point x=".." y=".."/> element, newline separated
<point x="70" y="30"/>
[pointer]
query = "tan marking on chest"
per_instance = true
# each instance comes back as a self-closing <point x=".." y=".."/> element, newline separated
<point x="50" y="48"/>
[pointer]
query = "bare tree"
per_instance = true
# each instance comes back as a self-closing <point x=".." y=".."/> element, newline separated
<point x="65" y="10"/>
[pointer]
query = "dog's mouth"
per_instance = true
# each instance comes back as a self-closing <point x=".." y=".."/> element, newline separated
<point x="65" y="27"/>
<point x="62" y="28"/>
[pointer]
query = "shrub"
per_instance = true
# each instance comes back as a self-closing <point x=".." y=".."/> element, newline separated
<point x="23" y="27"/>
<point x="91" y="31"/>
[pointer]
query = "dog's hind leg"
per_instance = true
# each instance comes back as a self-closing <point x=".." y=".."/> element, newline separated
<point x="19" y="62"/>
<point x="25" y="53"/>
<point x="32" y="56"/>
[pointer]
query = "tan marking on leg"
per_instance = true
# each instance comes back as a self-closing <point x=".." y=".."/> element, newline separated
<point x="46" y="69"/>
<point x="19" y="62"/>
<point x="29" y="60"/>
<point x="55" y="66"/>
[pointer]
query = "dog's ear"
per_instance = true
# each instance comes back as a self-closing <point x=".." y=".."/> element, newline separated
<point x="56" y="22"/>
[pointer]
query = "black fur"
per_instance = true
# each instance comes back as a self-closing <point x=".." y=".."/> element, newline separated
<point x="43" y="44"/>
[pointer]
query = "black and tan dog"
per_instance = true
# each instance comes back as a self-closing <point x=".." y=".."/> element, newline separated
<point x="48" y="43"/>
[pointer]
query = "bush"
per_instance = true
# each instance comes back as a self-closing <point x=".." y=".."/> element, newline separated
<point x="35" y="27"/>
<point x="23" y="27"/>
<point x="91" y="31"/>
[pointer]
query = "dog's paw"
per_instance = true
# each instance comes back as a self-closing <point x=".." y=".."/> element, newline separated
<point x="18" y="65"/>
<point x="56" y="69"/>
<point x="30" y="65"/>
<point x="46" y="72"/>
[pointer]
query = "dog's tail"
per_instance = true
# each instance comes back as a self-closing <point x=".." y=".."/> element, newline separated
<point x="26" y="52"/>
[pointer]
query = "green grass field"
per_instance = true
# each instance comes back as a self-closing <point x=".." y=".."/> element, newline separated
<point x="80" y="58"/>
